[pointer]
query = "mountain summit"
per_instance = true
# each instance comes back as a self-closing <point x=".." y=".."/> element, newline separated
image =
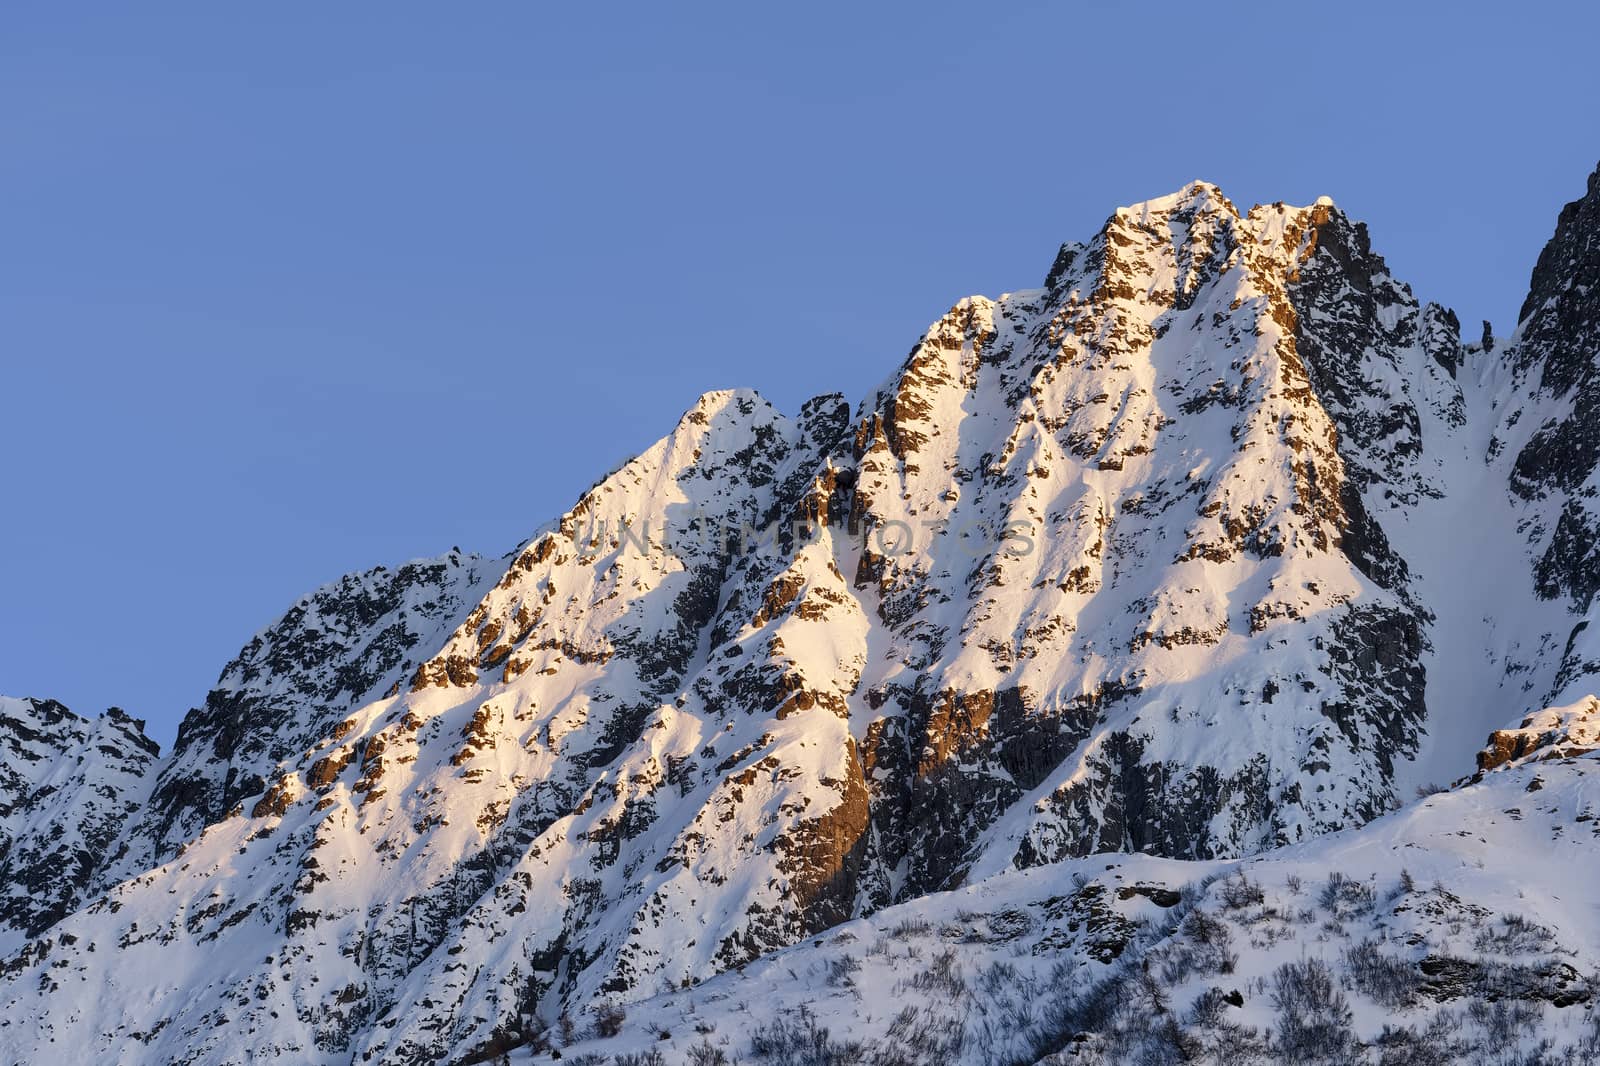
<point x="1215" y="544"/>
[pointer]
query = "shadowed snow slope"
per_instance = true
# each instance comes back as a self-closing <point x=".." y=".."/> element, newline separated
<point x="1218" y="542"/>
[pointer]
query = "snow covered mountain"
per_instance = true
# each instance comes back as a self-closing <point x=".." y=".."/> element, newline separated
<point x="68" y="789"/>
<point x="1215" y="544"/>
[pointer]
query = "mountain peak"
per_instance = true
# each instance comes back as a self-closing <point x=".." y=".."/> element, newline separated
<point x="716" y="400"/>
<point x="1185" y="554"/>
<point x="1564" y="290"/>
<point x="1195" y="196"/>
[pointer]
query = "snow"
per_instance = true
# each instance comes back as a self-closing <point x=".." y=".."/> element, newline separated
<point x="1491" y="632"/>
<point x="1472" y="858"/>
<point x="625" y="763"/>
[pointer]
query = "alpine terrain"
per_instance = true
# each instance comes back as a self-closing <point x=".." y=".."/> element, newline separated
<point x="1188" y="659"/>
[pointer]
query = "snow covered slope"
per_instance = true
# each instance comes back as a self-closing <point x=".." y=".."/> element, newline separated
<point x="1461" y="930"/>
<point x="345" y="644"/>
<point x="68" y="787"/>
<point x="1215" y="543"/>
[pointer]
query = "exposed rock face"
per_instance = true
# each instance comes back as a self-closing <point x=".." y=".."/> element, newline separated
<point x="1556" y="369"/>
<point x="68" y="787"/>
<point x="1553" y="733"/>
<point x="334" y="650"/>
<point x="1110" y="565"/>
<point x="1561" y="317"/>
<point x="1558" y="338"/>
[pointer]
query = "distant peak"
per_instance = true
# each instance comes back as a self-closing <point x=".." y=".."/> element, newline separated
<point x="722" y="397"/>
<point x="1559" y="323"/>
<point x="1577" y="232"/>
<point x="746" y="401"/>
<point x="1196" y="197"/>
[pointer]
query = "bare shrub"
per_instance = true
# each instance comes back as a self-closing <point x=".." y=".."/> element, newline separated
<point x="943" y="974"/>
<point x="910" y="927"/>
<point x="903" y="1025"/>
<point x="1234" y="1044"/>
<point x="1202" y="949"/>
<point x="608" y="1019"/>
<point x="1435" y="1046"/>
<point x="1209" y="1008"/>
<point x="1503" y="1022"/>
<point x="706" y="1053"/>
<point x="1239" y="892"/>
<point x="842" y="971"/>
<point x="1202" y="928"/>
<point x="653" y="1057"/>
<point x="1588" y="1046"/>
<point x="1346" y="898"/>
<point x="1514" y="935"/>
<point x="1126" y="1016"/>
<point x="1000" y="977"/>
<point x="1388" y="981"/>
<point x="801" y="1041"/>
<point x="917" y="1037"/>
<point x="1313" y="1024"/>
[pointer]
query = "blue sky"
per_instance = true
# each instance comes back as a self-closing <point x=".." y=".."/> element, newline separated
<point x="292" y="290"/>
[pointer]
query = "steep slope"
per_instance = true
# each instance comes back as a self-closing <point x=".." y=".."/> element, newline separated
<point x="1163" y="556"/>
<point x="1503" y="557"/>
<point x="1556" y="366"/>
<point x="342" y="646"/>
<point x="68" y="787"/>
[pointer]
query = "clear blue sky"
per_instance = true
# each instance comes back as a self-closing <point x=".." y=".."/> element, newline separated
<point x="291" y="290"/>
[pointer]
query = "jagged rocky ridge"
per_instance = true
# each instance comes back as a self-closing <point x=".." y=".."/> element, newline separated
<point x="1148" y="559"/>
<point x="68" y="789"/>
